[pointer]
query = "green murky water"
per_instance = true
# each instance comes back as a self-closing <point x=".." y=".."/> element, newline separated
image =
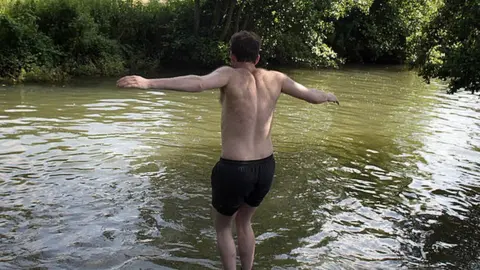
<point x="92" y="177"/>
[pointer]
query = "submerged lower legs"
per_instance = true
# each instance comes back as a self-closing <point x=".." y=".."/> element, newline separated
<point x="246" y="245"/>
<point x="246" y="236"/>
<point x="225" y="242"/>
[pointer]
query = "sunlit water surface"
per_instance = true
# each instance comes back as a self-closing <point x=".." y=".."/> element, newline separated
<point x="93" y="177"/>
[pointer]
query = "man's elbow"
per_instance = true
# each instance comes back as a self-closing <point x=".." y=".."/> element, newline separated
<point x="198" y="87"/>
<point x="195" y="85"/>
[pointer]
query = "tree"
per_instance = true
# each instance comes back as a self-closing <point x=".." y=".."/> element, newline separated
<point x="196" y="24"/>
<point x="231" y="7"/>
<point x="383" y="32"/>
<point x="449" y="47"/>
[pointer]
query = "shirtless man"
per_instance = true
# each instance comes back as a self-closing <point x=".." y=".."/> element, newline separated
<point x="244" y="173"/>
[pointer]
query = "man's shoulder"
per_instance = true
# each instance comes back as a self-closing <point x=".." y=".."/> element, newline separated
<point x="271" y="73"/>
<point x="229" y="71"/>
<point x="224" y="69"/>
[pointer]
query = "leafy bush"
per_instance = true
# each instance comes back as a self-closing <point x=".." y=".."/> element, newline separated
<point x="449" y="46"/>
<point x="23" y="47"/>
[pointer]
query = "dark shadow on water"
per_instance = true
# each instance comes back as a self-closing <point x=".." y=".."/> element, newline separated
<point x="444" y="241"/>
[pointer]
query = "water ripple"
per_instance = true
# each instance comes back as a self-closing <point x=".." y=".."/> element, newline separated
<point x="104" y="179"/>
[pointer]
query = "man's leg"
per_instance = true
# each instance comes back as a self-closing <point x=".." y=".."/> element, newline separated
<point x="225" y="242"/>
<point x="246" y="237"/>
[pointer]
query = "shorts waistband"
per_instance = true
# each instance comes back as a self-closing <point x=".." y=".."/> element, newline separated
<point x="247" y="162"/>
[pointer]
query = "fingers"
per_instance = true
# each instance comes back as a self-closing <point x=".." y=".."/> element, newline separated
<point x="123" y="81"/>
<point x="336" y="102"/>
<point x="127" y="81"/>
<point x="333" y="99"/>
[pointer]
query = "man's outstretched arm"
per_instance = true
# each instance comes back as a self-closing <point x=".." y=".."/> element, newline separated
<point x="189" y="83"/>
<point x="297" y="90"/>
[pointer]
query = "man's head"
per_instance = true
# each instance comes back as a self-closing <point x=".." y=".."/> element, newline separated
<point x="245" y="47"/>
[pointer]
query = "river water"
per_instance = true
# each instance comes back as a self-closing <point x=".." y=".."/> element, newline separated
<point x="93" y="177"/>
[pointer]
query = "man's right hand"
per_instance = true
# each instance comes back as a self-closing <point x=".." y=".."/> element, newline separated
<point x="332" y="98"/>
<point x="297" y="90"/>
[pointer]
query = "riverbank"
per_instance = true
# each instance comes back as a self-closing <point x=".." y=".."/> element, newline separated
<point x="45" y="79"/>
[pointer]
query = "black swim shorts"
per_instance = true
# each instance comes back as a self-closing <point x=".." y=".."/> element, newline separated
<point x="237" y="182"/>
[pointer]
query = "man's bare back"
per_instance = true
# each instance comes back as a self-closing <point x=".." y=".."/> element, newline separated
<point x="248" y="103"/>
<point x="244" y="174"/>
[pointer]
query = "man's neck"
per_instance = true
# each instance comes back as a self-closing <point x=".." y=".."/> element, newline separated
<point x="246" y="65"/>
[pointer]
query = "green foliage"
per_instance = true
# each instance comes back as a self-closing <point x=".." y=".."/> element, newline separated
<point x="297" y="33"/>
<point x="23" y="47"/>
<point x="100" y="38"/>
<point x="449" y="47"/>
<point x="383" y="33"/>
<point x="46" y="40"/>
<point x="55" y="39"/>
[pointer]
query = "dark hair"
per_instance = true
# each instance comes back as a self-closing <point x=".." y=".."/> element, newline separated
<point x="245" y="46"/>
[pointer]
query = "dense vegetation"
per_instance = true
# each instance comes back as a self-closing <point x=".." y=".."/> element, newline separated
<point x="450" y="47"/>
<point x="54" y="39"/>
